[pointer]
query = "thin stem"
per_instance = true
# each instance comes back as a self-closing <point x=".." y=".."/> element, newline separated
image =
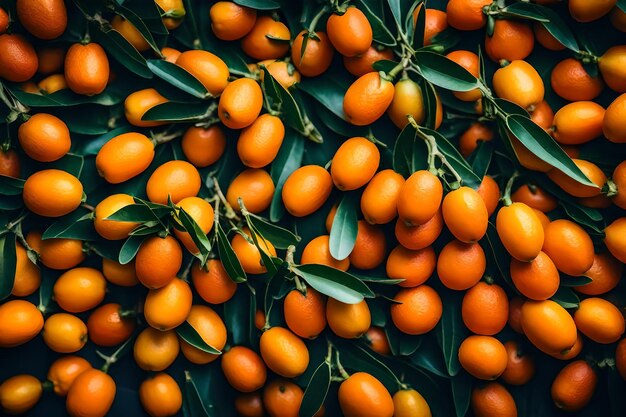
<point x="230" y="212"/>
<point x="321" y="12"/>
<point x="340" y="368"/>
<point x="184" y="276"/>
<point x="506" y="198"/>
<point x="110" y="360"/>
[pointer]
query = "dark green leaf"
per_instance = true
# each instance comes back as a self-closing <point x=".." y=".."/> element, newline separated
<point x="73" y="226"/>
<point x="66" y="98"/>
<point x="328" y="91"/>
<point x="420" y="25"/>
<point x="569" y="281"/>
<point x="93" y="145"/>
<point x="8" y="262"/>
<point x="559" y="30"/>
<point x="450" y="332"/>
<point x="526" y="11"/>
<point x="409" y="153"/>
<point x="337" y="284"/>
<point x="430" y="104"/>
<point x="130" y="249"/>
<point x="497" y="255"/>
<point x="11" y="186"/>
<point x="289" y="159"/>
<point x="444" y="72"/>
<point x="316" y="391"/>
<point x="197" y="235"/>
<point x="622" y="5"/>
<point x="429" y="357"/>
<point x="380" y="32"/>
<point x="193" y="405"/>
<point x="171" y="111"/>
<point x="359" y="359"/>
<point x="461" y="393"/>
<point x="509" y="107"/>
<point x="70" y="163"/>
<point x="177" y="77"/>
<point x="190" y="335"/>
<point x="566" y="297"/>
<point x="133" y="213"/>
<point x="344" y="228"/>
<point x="258" y="4"/>
<point x="118" y="47"/>
<point x="542" y="145"/>
<point x="239" y="314"/>
<point x="139" y="25"/>
<point x="228" y="257"/>
<point x="481" y="158"/>
<point x="281" y="238"/>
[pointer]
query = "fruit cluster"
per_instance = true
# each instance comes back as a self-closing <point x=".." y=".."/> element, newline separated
<point x="268" y="207"/>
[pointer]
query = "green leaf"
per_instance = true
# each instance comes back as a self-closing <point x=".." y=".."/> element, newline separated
<point x="280" y="237"/>
<point x="46" y="289"/>
<point x="541" y="144"/>
<point x="239" y="313"/>
<point x="526" y="11"/>
<point x="419" y="27"/>
<point x="409" y="153"/>
<point x="133" y="213"/>
<point x="481" y="158"/>
<point x="258" y="4"/>
<point x="73" y="226"/>
<point x="509" y="107"/>
<point x="70" y="163"/>
<point x="66" y="98"/>
<point x="316" y="391"/>
<point x="359" y="359"/>
<point x="130" y="248"/>
<point x="461" y="393"/>
<point x="11" y="186"/>
<point x="119" y="48"/>
<point x="380" y="32"/>
<point x="428" y="357"/>
<point x="444" y="72"/>
<point x="451" y="331"/>
<point x="344" y="228"/>
<point x="566" y="297"/>
<point x="328" y="91"/>
<point x="176" y="112"/>
<point x="337" y="284"/>
<point x="430" y="104"/>
<point x="569" y="281"/>
<point x="550" y="20"/>
<point x="622" y="5"/>
<point x="197" y="235"/>
<point x="190" y="335"/>
<point x="93" y="145"/>
<point x="8" y="262"/>
<point x="228" y="257"/>
<point x="289" y="159"/>
<point x="497" y="255"/>
<point x="178" y="77"/>
<point x="139" y="25"/>
<point x="193" y="405"/>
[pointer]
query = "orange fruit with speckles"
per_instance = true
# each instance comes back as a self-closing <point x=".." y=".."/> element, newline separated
<point x="485" y="309"/>
<point x="461" y="265"/>
<point x="113" y="229"/>
<point x="599" y="320"/>
<point x="284" y="352"/>
<point x="379" y="199"/>
<point x="10" y="165"/>
<point x="18" y="60"/>
<point x="548" y="326"/>
<point x="520" y="367"/>
<point x="282" y="398"/>
<point x="268" y="39"/>
<point x="108" y="326"/>
<point x="317" y="251"/>
<point x="254" y="187"/>
<point x="167" y="307"/>
<point x="201" y="212"/>
<point x="476" y="133"/>
<point x="306" y="190"/>
<point x="577" y="123"/>
<point x="571" y="81"/>
<point x="203" y="147"/>
<point x="212" y="282"/>
<point x="467" y="14"/>
<point x="614" y="238"/>
<point x="248" y="254"/>
<point x="364" y="395"/>
<point x="483" y="357"/>
<point x="419" y="237"/>
<point x="493" y="400"/>
<point x="125" y="156"/>
<point x="421" y="186"/>
<point x="489" y="191"/>
<point x="157" y="261"/>
<point x="160" y="395"/>
<point x="367" y="99"/>
<point x="520" y="83"/>
<point x="27" y="275"/>
<point x="362" y="64"/>
<point x="64" y="333"/>
<point x="240" y="103"/>
<point x="407" y="101"/>
<point x="469" y="61"/>
<point x="414" y="267"/>
<point x="209" y="69"/>
<point x="354" y="164"/>
<point x="244" y="369"/>
<point x="410" y="403"/>
<point x="44" y="137"/>
<point x="20" y="321"/>
<point x="260" y="142"/>
<point x="535" y="197"/>
<point x="317" y="56"/>
<point x="572" y="187"/>
<point x="584" y="11"/>
<point x="155" y="350"/>
<point x="210" y="327"/>
<point x="52" y="193"/>
<point x="79" y="289"/>
<point x="520" y="231"/>
<point x="92" y="394"/>
<point x="348" y="320"/>
<point x="611" y="65"/>
<point x="457" y="207"/>
<point x="612" y="125"/>
<point x="510" y="40"/>
<point x="64" y="371"/>
<point x="137" y="105"/>
<point x="350" y="33"/>
<point x="86" y="69"/>
<point x="418" y="310"/>
<point x="56" y="253"/>
<point x="230" y="21"/>
<point x="538" y="279"/>
<point x="569" y="246"/>
<point x="605" y="273"/>
<point x="305" y="313"/>
<point x="574" y="386"/>
<point x="370" y="246"/>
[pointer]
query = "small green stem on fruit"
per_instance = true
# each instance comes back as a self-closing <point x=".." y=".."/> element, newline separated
<point x="164" y="137"/>
<point x="329" y="352"/>
<point x="230" y="212"/>
<point x="47" y="385"/>
<point x="506" y="198"/>
<point x="406" y="59"/>
<point x="88" y="207"/>
<point x="127" y="314"/>
<point x="289" y="255"/>
<point x="340" y="368"/>
<point x="110" y="360"/>
<point x="185" y="275"/>
<point x="488" y="279"/>
<point x="321" y="12"/>
<point x="300" y="286"/>
<point x="610" y="189"/>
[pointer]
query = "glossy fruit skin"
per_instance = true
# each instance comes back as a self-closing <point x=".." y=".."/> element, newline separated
<point x="511" y="40"/>
<point x="124" y="157"/>
<point x="606" y="273"/>
<point x="520" y="231"/>
<point x="248" y="254"/>
<point x="611" y="66"/>
<point x="211" y="329"/>
<point x="306" y="190"/>
<point x="118" y="274"/>
<point x="483" y="357"/>
<point x="20" y="393"/>
<point x="520" y="367"/>
<point x="520" y="83"/>
<point x="485" y="309"/>
<point x="209" y="69"/>
<point x="424" y="187"/>
<point x="255" y="187"/>
<point x="138" y="103"/>
<point x="64" y="371"/>
<point x="584" y="12"/>
<point x="213" y="283"/>
<point x="27" y="276"/>
<point x="620" y="358"/>
<point x="160" y="395"/>
<point x="573" y="352"/>
<point x="546" y="39"/>
<point x="570" y="81"/>
<point x="79" y="289"/>
<point x="10" y="163"/>
<point x="599" y="320"/>
<point x="362" y="64"/>
<point x="590" y="170"/>
<point x="611" y="125"/>
<point x="569" y="247"/>
<point x="535" y="197"/>
<point x="317" y="57"/>
<point x="44" y="137"/>
<point x="461" y="265"/>
<point x="538" y="279"/>
<point x="614" y="239"/>
<point x="370" y="247"/>
<point x="155" y="350"/>
<point x="548" y="326"/>
<point x="477" y="132"/>
<point x="58" y="253"/>
<point x="362" y="395"/>
<point x="460" y="204"/>
<point x="350" y="33"/>
<point x="18" y="60"/>
<point x="413" y="266"/>
<point x="202" y="213"/>
<point x="489" y="191"/>
<point x="4" y="21"/>
<point x="410" y="403"/>
<point x="240" y="103"/>
<point x="354" y="164"/>
<point x="379" y="198"/>
<point x="284" y="352"/>
<point x="176" y="9"/>
<point x="367" y="99"/>
<point x="157" y="261"/>
<point x="130" y="32"/>
<point x="282" y="398"/>
<point x="91" y="394"/>
<point x="52" y="193"/>
<point x="260" y="142"/>
<point x="574" y="386"/>
<point x="86" y="69"/>
<point x="20" y="321"/>
<point x="64" y="333"/>
<point x="419" y="237"/>
<point x="466" y="14"/>
<point x="407" y="100"/>
<point x="112" y="229"/>
<point x="107" y="327"/>
<point x="305" y="315"/>
<point x="348" y="320"/>
<point x="493" y="400"/>
<point x="577" y="123"/>
<point x="317" y="251"/>
<point x="203" y="147"/>
<point x="526" y="158"/>
<point x="469" y="61"/>
<point x="377" y="340"/>
<point x="167" y="307"/>
<point x="173" y="179"/>
<point x="256" y="43"/>
<point x="543" y="115"/>
<point x="230" y="21"/>
<point x="244" y="369"/>
<point x="420" y="311"/>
